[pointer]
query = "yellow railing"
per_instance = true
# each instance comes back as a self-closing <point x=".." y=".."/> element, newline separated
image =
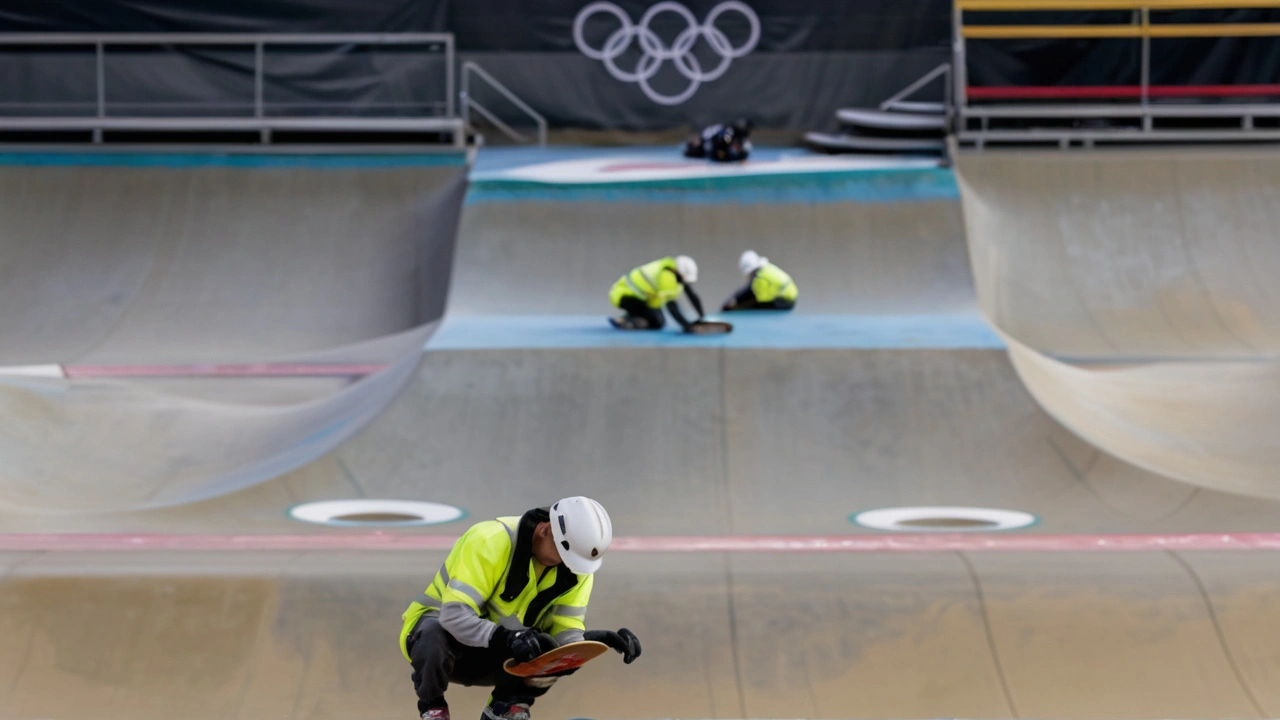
<point x="995" y="32"/>
<point x="1142" y="28"/>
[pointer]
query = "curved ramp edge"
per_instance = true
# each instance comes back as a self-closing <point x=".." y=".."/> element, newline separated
<point x="1211" y="425"/>
<point x="99" y="444"/>
<point x="1135" y="293"/>
<point x="1131" y="255"/>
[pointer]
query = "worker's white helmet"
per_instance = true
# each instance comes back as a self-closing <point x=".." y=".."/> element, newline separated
<point x="582" y="531"/>
<point x="751" y="261"/>
<point x="687" y="268"/>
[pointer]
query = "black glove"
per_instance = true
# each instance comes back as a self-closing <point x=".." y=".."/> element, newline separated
<point x="546" y="643"/>
<point x="521" y="644"/>
<point x="624" y="641"/>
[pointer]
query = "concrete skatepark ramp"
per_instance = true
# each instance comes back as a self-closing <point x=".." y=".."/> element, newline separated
<point x="1153" y="272"/>
<point x="312" y="635"/>
<point x="1141" y="255"/>
<point x="852" y="429"/>
<point x="560" y="257"/>
<point x="114" y="274"/>
<point x="681" y="441"/>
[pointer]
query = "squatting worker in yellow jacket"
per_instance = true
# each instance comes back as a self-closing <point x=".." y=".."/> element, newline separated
<point x="514" y="587"/>
<point x="643" y="292"/>
<point x="768" y="286"/>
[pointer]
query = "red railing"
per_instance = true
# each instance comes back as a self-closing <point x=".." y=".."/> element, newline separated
<point x="1119" y="92"/>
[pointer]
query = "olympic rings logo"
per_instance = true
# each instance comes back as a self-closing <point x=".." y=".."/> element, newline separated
<point x="655" y="52"/>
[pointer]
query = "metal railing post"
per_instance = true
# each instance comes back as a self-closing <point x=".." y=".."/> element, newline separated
<point x="958" y="74"/>
<point x="948" y="100"/>
<point x="465" y="95"/>
<point x="1145" y="17"/>
<point x="258" y="72"/>
<point x="448" y="76"/>
<point x="100" y="52"/>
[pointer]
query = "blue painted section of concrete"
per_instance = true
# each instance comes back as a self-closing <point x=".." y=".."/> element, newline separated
<point x="782" y="331"/>
<point x="882" y="185"/>
<point x="859" y="185"/>
<point x="497" y="159"/>
<point x="247" y="160"/>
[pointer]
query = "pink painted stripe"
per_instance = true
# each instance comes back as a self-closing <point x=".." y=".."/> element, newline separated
<point x="224" y="370"/>
<point x="907" y="543"/>
<point x="678" y="167"/>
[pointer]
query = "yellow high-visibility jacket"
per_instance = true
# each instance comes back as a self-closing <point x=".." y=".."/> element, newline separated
<point x="657" y="283"/>
<point x="771" y="282"/>
<point x="490" y="578"/>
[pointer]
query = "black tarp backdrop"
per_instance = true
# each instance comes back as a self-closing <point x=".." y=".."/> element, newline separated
<point x="1174" y="61"/>
<point x="812" y="57"/>
<point x="491" y="25"/>
<point x="253" y="16"/>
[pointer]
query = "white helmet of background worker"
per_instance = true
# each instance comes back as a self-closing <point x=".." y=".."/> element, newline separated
<point x="687" y="268"/>
<point x="582" y="531"/>
<point x="751" y="261"/>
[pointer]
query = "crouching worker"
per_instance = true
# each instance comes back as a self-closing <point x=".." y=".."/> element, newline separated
<point x="514" y="587"/>
<point x="721" y="143"/>
<point x="768" y="286"/>
<point x="643" y="292"/>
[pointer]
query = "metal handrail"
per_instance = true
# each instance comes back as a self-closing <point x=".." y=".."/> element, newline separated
<point x="1143" y="30"/>
<point x="942" y="70"/>
<point x="1140" y="28"/>
<point x="229" y="123"/>
<point x="898" y="102"/>
<point x="258" y="41"/>
<point x="1125" y="111"/>
<point x="468" y="103"/>
<point x="162" y="38"/>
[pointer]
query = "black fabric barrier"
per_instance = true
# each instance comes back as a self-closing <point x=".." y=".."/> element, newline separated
<point x="782" y="63"/>
<point x="1174" y="61"/>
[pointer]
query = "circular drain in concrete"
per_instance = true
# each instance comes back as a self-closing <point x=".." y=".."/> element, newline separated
<point x="942" y="519"/>
<point x="375" y="513"/>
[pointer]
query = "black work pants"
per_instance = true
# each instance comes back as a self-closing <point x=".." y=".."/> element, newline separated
<point x="637" y="308"/>
<point x="438" y="660"/>
<point x="774" y="304"/>
<point x="746" y="300"/>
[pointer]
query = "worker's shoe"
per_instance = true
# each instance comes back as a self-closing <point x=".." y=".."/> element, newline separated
<point x="498" y="710"/>
<point x="439" y="713"/>
<point x="627" y="322"/>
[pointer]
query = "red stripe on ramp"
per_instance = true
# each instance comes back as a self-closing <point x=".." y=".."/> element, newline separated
<point x="906" y="543"/>
<point x="224" y="370"/>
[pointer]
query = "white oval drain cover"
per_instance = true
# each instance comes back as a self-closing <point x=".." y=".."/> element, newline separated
<point x="354" y="513"/>
<point x="943" y="519"/>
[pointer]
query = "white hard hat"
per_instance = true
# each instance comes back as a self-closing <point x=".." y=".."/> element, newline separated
<point x="687" y="268"/>
<point x="750" y="261"/>
<point x="582" y="531"/>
